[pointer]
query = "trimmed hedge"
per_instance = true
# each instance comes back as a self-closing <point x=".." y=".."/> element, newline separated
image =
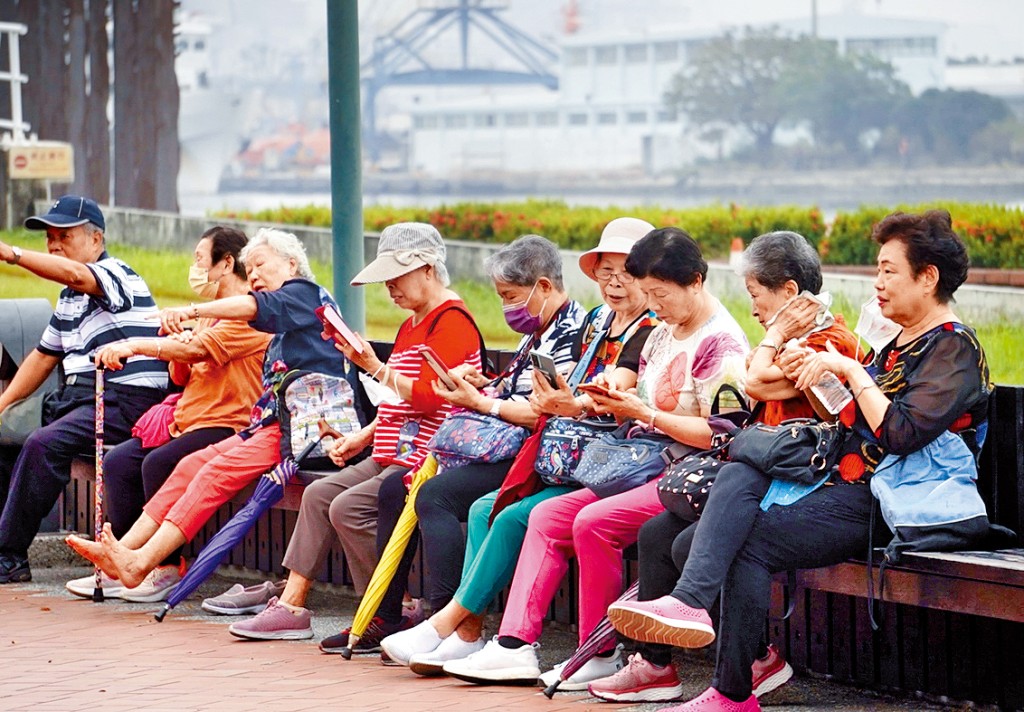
<point x="994" y="234"/>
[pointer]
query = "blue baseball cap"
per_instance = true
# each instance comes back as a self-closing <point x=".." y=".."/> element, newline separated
<point x="69" y="211"/>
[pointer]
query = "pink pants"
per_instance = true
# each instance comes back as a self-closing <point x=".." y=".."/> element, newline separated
<point x="206" y="479"/>
<point x="596" y="531"/>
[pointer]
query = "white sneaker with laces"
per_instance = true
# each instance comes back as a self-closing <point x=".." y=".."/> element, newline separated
<point x="597" y="668"/>
<point x="155" y="587"/>
<point x="84" y="586"/>
<point x="451" y="648"/>
<point x="495" y="664"/>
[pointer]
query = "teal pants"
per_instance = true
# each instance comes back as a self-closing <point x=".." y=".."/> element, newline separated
<point x="492" y="553"/>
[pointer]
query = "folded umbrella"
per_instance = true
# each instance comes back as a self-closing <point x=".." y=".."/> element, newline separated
<point x="389" y="558"/>
<point x="599" y="639"/>
<point x="269" y="490"/>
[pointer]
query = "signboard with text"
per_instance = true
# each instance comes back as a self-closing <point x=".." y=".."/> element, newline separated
<point x="46" y="160"/>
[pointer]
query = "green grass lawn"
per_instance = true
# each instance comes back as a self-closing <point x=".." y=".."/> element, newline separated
<point x="166" y="273"/>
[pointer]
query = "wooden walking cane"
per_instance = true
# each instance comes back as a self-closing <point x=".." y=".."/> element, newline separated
<point x="97" y="591"/>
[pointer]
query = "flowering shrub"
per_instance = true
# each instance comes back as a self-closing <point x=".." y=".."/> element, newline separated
<point x="994" y="234"/>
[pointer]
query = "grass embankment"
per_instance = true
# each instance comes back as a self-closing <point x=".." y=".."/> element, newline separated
<point x="166" y="273"/>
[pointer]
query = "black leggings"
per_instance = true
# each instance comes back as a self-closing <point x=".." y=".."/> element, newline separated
<point x="442" y="506"/>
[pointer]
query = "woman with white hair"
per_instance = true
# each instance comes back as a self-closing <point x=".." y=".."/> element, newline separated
<point x="343" y="505"/>
<point x="282" y="300"/>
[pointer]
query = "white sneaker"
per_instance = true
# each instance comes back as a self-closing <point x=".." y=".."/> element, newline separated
<point x="84" y="586"/>
<point x="497" y="665"/>
<point x="401" y="646"/>
<point x="597" y="668"/>
<point x="155" y="587"/>
<point x="451" y="648"/>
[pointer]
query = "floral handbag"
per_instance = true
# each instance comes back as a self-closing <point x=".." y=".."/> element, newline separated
<point x="467" y="436"/>
<point x="561" y="447"/>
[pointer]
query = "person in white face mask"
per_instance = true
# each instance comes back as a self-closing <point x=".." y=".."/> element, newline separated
<point x="218" y="364"/>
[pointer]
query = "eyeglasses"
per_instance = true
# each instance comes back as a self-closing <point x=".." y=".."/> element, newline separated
<point x="605" y="274"/>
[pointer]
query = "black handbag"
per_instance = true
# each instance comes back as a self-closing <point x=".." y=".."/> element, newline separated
<point x="686" y="484"/>
<point x="799" y="450"/>
<point x="685" y="487"/>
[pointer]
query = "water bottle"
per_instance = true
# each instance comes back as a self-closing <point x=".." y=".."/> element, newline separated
<point x="832" y="393"/>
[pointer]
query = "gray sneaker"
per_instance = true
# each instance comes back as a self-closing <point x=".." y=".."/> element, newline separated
<point x="239" y="600"/>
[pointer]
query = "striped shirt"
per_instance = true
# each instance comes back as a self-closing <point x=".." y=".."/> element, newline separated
<point x="403" y="429"/>
<point x="83" y="323"/>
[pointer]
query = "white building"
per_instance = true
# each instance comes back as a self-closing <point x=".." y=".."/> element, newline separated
<point x="609" y="116"/>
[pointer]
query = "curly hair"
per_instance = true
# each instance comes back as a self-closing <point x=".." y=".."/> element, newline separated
<point x="928" y="239"/>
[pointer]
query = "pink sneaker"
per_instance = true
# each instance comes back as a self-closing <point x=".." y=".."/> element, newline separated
<point x="275" y="622"/>
<point x="711" y="700"/>
<point x="664" y="620"/>
<point x="639" y="681"/>
<point x="770" y="672"/>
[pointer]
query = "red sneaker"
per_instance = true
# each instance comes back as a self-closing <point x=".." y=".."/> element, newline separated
<point x="770" y="672"/>
<point x="639" y="681"/>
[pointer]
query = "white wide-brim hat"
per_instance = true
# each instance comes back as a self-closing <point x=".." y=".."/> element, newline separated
<point x="618" y="238"/>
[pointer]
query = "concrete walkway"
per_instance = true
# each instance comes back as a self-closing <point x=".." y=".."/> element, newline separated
<point x="59" y="653"/>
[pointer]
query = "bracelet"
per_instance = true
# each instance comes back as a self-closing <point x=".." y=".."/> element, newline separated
<point x="380" y="368"/>
<point x="159" y="345"/>
<point x="769" y="345"/>
<point x="495" y="408"/>
<point x="856" y="393"/>
<point x="195" y="311"/>
<point x="654" y="416"/>
<point x="578" y="400"/>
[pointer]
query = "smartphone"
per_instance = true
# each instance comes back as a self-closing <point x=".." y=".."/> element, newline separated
<point x="598" y="388"/>
<point x="432" y="359"/>
<point x="330" y="317"/>
<point x="546" y="365"/>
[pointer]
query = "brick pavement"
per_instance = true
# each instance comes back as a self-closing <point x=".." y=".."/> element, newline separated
<point x="59" y="654"/>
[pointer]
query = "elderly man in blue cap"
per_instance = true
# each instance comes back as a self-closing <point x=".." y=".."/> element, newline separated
<point x="103" y="301"/>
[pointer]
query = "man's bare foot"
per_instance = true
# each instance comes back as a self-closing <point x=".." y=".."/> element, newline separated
<point x="93" y="551"/>
<point x="127" y="563"/>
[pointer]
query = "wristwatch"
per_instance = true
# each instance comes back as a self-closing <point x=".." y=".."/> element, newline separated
<point x="16" y="251"/>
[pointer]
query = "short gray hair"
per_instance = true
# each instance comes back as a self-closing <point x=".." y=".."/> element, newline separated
<point x="284" y="244"/>
<point x="525" y="260"/>
<point x="777" y="257"/>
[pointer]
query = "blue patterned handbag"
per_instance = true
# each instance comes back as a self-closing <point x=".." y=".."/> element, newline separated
<point x="561" y="447"/>
<point x="466" y="436"/>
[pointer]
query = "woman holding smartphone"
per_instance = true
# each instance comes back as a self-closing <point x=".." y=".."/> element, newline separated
<point x="608" y="346"/>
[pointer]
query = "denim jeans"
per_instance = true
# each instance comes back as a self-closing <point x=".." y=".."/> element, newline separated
<point x="826" y="527"/>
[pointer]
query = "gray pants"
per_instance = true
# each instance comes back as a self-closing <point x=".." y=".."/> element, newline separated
<point x="344" y="503"/>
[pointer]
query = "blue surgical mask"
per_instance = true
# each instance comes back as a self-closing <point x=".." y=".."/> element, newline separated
<point x="519" y="318"/>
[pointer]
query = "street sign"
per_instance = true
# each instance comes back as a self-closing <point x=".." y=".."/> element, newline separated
<point x="49" y="160"/>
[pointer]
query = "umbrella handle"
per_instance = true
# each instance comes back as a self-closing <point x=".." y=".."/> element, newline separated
<point x="551" y="689"/>
<point x="159" y="615"/>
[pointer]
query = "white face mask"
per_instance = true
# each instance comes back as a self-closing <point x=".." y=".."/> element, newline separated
<point x="199" y="280"/>
<point x="874" y="328"/>
<point x="377" y="392"/>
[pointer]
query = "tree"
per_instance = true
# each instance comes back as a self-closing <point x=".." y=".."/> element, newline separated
<point x="945" y="121"/>
<point x="762" y="79"/>
<point x="65" y="56"/>
<point x="736" y="80"/>
<point x="842" y="96"/>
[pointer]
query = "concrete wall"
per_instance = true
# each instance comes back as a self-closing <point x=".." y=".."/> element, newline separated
<point x="465" y="259"/>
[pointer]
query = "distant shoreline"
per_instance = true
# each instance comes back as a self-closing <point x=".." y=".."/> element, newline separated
<point x="830" y="190"/>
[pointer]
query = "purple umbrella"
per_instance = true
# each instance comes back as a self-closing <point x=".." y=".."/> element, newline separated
<point x="598" y="640"/>
<point x="269" y="490"/>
